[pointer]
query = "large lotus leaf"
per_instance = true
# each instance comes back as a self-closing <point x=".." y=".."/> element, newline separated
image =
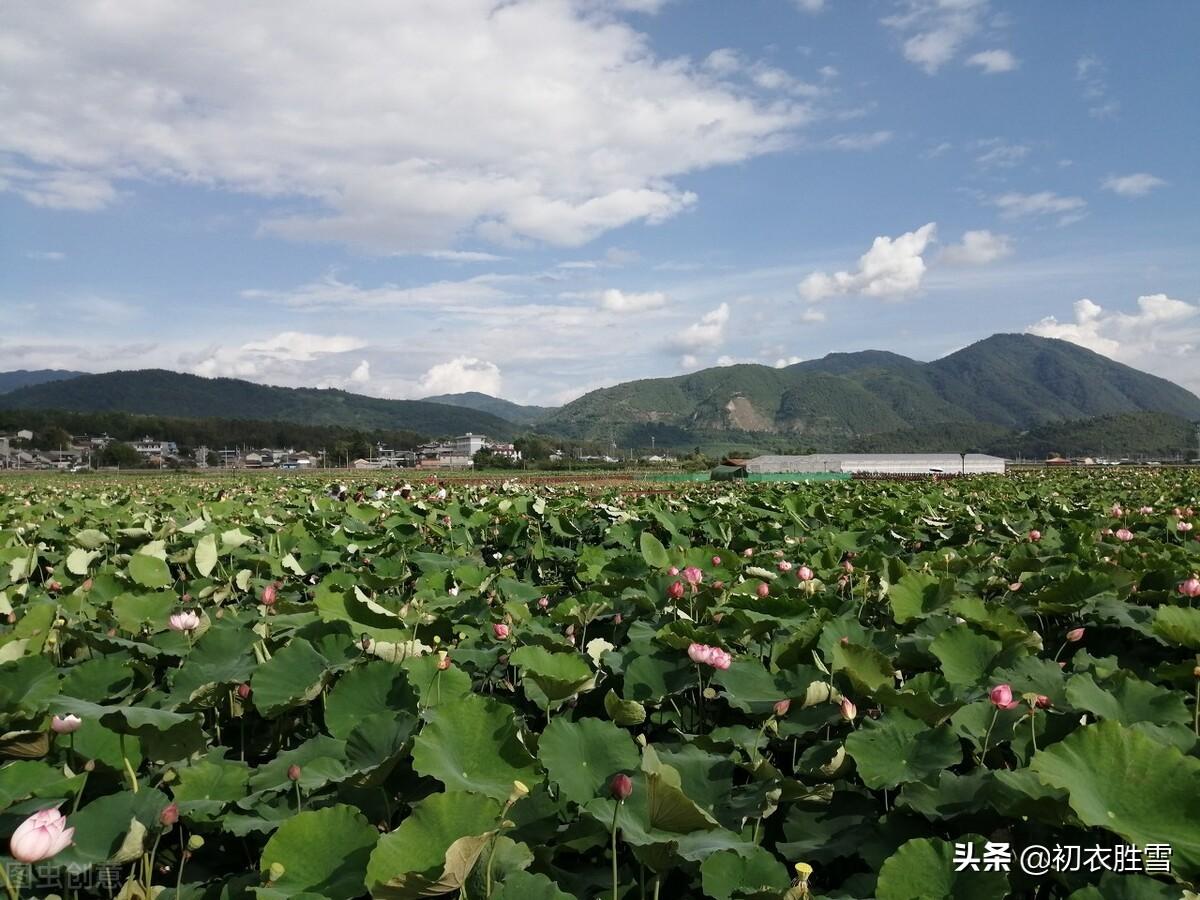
<point x="1128" y="700"/>
<point x="126" y="719"/>
<point x="529" y="886"/>
<point x="433" y="850"/>
<point x="105" y="746"/>
<point x="434" y="686"/>
<point x="99" y="679"/>
<point x="581" y="757"/>
<point x="898" y="749"/>
<point x="707" y="778"/>
<point x="557" y="675"/>
<point x="79" y="560"/>
<point x="221" y="780"/>
<point x="751" y="688"/>
<point x="868" y="669"/>
<point x="923" y="869"/>
<point x="653" y="551"/>
<point x="222" y="657"/>
<point x="293" y="676"/>
<point x="90" y="538"/>
<point x="965" y="655"/>
<point x="375" y="745"/>
<point x="321" y="759"/>
<point x="727" y="874"/>
<point x="365" y="691"/>
<point x="103" y="827"/>
<point x="135" y="610"/>
<point x="952" y="795"/>
<point x="206" y="555"/>
<point x="336" y="602"/>
<point x="22" y="779"/>
<point x="650" y="677"/>
<point x="1179" y="625"/>
<point x="1127" y="886"/>
<point x="149" y="571"/>
<point x="473" y="745"/>
<point x="915" y="595"/>
<point x="1122" y="780"/>
<point x="324" y="852"/>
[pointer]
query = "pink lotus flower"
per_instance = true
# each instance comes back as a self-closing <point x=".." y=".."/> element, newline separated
<point x="65" y="724"/>
<point x="784" y="566"/>
<point x="848" y="709"/>
<point x="718" y="585"/>
<point x="1124" y="534"/>
<point x="1116" y="511"/>
<point x="169" y="815"/>
<point x="500" y="630"/>
<point x="748" y="552"/>
<point x="703" y="654"/>
<point x="782" y="707"/>
<point x="804" y="573"/>
<point x="847" y="566"/>
<point x="270" y="594"/>
<point x="1190" y="587"/>
<point x="543" y="602"/>
<point x="41" y="836"/>
<point x="294" y="772"/>
<point x="716" y="560"/>
<point x="244" y="691"/>
<point x="675" y="591"/>
<point x="1184" y="527"/>
<point x="1002" y="697"/>
<point x="1075" y="635"/>
<point x="1015" y="586"/>
<point x="693" y="575"/>
<point x="1035" y="535"/>
<point x="184" y="621"/>
<point x="673" y="571"/>
<point x="763" y="590"/>
<point x="620" y="787"/>
<point x="1145" y="510"/>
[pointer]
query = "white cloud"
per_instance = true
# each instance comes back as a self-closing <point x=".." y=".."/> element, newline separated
<point x="993" y="62"/>
<point x="361" y="373"/>
<point x="812" y="316"/>
<point x="1014" y="205"/>
<point x="461" y="374"/>
<point x="785" y="361"/>
<point x="867" y="141"/>
<point x="275" y="360"/>
<point x="301" y="347"/>
<point x="398" y="133"/>
<point x="1163" y="336"/>
<point x="1000" y="153"/>
<point x="465" y="256"/>
<point x="978" y="248"/>
<point x="614" y="300"/>
<point x="891" y="268"/>
<point x="46" y="255"/>
<point x="935" y="31"/>
<point x="1136" y="185"/>
<point x="810" y="6"/>
<point x="708" y="332"/>
<point x="329" y="292"/>
<point x="1090" y="72"/>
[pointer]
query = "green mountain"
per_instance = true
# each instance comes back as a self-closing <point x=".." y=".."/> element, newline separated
<point x="505" y="409"/>
<point x="19" y="378"/>
<point x="162" y="393"/>
<point x="1007" y="381"/>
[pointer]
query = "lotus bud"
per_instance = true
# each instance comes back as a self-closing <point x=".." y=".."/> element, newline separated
<point x="41" y="836"/>
<point x="748" y="552"/>
<point x="443" y="660"/>
<point x="500" y="631"/>
<point x="848" y="709"/>
<point x="716" y="560"/>
<point x="784" y="566"/>
<point x="693" y="575"/>
<point x="675" y="591"/>
<point x="1015" y="586"/>
<point x="1075" y="635"/>
<point x="243" y="691"/>
<point x="169" y="815"/>
<point x="65" y="724"/>
<point x="763" y="589"/>
<point x="87" y="584"/>
<point x="270" y="594"/>
<point x="782" y="707"/>
<point x="293" y="772"/>
<point x="718" y="585"/>
<point x="1035" y="535"/>
<point x="673" y="571"/>
<point x="1042" y="702"/>
<point x="1124" y="534"/>
<point x="804" y="573"/>
<point x="620" y="787"/>
<point x="1190" y="587"/>
<point x="1001" y="697"/>
<point x="543" y="602"/>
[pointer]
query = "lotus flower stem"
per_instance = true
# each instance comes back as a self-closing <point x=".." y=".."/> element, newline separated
<point x="987" y="737"/>
<point x="616" y="809"/>
<point x="133" y="783"/>
<point x="79" y="793"/>
<point x="1033" y="729"/>
<point x="13" y="892"/>
<point x="1196" y="715"/>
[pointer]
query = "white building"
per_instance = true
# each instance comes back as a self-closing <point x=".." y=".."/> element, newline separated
<point x="469" y="444"/>
<point x="881" y="463"/>
<point x="150" y="448"/>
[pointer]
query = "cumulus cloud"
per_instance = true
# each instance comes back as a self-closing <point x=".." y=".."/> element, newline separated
<point x="785" y="361"/>
<point x="461" y="374"/>
<point x="614" y="300"/>
<point x="393" y="133"/>
<point x="709" y="331"/>
<point x="361" y="373"/>
<point x="978" y="248"/>
<point x="1162" y="336"/>
<point x="893" y="267"/>
<point x="934" y="31"/>
<point x="1136" y="185"/>
<point x="1013" y="205"/>
<point x="272" y="359"/>
<point x="993" y="62"/>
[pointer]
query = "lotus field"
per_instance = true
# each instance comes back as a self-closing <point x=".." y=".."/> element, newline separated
<point x="239" y="687"/>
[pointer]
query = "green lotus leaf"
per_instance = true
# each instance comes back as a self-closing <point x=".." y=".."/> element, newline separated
<point x="149" y="571"/>
<point x="625" y="713"/>
<point x="1127" y="700"/>
<point x="293" y="676"/>
<point x="966" y="656"/>
<point x="583" y="756"/>
<point x="473" y="745"/>
<point x="898" y="749"/>
<point x="916" y="595"/>
<point x="923" y="869"/>
<point x="1131" y="785"/>
<point x="529" y="886"/>
<point x="434" y="849"/>
<point x="727" y="874"/>
<point x="365" y="691"/>
<point x="323" y="852"/>
<point x="868" y="669"/>
<point x="1179" y="625"/>
<point x="206" y="555"/>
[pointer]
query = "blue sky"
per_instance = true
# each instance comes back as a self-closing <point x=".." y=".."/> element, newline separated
<point x="536" y="198"/>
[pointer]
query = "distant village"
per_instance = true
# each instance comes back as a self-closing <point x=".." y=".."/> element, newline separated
<point x="19" y="450"/>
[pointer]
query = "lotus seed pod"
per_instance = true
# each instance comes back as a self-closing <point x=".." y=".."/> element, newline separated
<point x="195" y="842"/>
<point x="276" y="871"/>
